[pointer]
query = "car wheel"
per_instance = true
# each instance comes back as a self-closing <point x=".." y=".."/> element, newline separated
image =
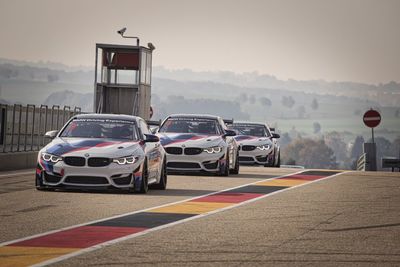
<point x="144" y="185"/>
<point x="39" y="183"/>
<point x="236" y="169"/>
<point x="270" y="164"/>
<point x="162" y="185"/>
<point x="225" y="171"/>
<point x="278" y="164"/>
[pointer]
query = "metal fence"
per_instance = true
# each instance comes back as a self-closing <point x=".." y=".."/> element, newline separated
<point x="22" y="128"/>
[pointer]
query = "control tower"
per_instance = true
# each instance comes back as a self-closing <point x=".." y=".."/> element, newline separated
<point x="123" y="79"/>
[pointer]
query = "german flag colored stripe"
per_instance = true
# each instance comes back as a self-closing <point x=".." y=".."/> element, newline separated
<point x="58" y="245"/>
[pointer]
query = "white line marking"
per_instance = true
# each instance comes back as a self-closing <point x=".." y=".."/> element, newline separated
<point x="372" y="119"/>
<point x="134" y="212"/>
<point x="113" y="241"/>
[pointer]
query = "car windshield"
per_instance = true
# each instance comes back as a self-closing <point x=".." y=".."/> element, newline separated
<point x="101" y="128"/>
<point x="190" y="125"/>
<point x="251" y="129"/>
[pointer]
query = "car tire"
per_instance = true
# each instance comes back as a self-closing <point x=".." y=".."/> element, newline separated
<point x="278" y="164"/>
<point x="237" y="166"/>
<point x="162" y="185"/>
<point x="225" y="171"/>
<point x="144" y="185"/>
<point x="269" y="165"/>
<point x="39" y="184"/>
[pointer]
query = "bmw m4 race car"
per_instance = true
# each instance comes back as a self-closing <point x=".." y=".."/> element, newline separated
<point x="199" y="143"/>
<point x="257" y="144"/>
<point x="100" y="151"/>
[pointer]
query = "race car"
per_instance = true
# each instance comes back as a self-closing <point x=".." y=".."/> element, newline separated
<point x="199" y="143"/>
<point x="102" y="151"/>
<point x="257" y="144"/>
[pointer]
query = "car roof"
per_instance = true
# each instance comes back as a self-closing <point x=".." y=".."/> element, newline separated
<point x="107" y="116"/>
<point x="205" y="116"/>
<point x="249" y="122"/>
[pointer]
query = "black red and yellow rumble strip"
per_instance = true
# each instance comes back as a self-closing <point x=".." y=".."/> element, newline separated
<point x="57" y="245"/>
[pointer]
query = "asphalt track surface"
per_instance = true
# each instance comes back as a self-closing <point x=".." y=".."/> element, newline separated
<point x="312" y="218"/>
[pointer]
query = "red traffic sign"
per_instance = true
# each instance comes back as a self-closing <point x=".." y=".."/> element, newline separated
<point x="372" y="118"/>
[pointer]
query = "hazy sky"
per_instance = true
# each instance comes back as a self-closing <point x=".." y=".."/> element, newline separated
<point x="346" y="40"/>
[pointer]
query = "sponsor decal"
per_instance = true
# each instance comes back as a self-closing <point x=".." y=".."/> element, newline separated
<point x="64" y="148"/>
<point x="245" y="137"/>
<point x="173" y="139"/>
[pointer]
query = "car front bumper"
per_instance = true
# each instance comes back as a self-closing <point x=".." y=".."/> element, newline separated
<point x="113" y="175"/>
<point x="256" y="156"/>
<point x="203" y="162"/>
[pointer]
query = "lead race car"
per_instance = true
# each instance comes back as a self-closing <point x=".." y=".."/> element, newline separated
<point x="258" y="144"/>
<point x="100" y="151"/>
<point x="199" y="143"/>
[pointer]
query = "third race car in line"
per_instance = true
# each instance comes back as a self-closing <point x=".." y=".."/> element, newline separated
<point x="258" y="144"/>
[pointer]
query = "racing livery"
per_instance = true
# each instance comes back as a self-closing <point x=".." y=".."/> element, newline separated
<point x="257" y="144"/>
<point x="199" y="143"/>
<point x="100" y="151"/>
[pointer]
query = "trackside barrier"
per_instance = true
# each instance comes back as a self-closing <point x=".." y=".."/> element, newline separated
<point x="22" y="128"/>
<point x="391" y="163"/>
<point x="362" y="163"/>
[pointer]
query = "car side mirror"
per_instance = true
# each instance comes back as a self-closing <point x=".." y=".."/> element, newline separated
<point x="230" y="133"/>
<point x="275" y="135"/>
<point x="151" y="138"/>
<point x="154" y="130"/>
<point x="51" y="134"/>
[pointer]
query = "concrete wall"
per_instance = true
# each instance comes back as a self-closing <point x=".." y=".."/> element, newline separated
<point x="18" y="160"/>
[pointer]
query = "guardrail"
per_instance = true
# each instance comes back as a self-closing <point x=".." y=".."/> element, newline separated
<point x="362" y="163"/>
<point x="393" y="163"/>
<point x="22" y="128"/>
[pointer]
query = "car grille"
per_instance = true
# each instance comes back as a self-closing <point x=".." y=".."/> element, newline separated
<point x="52" y="178"/>
<point x="183" y="165"/>
<point x="193" y="151"/>
<point x="211" y="165"/>
<point x="246" y="159"/>
<point x="99" y="162"/>
<point x="174" y="150"/>
<point x="86" y="180"/>
<point x="75" y="161"/>
<point x="262" y="158"/>
<point x="123" y="180"/>
<point x="248" y="148"/>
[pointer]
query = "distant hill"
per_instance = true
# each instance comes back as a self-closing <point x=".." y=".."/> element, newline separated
<point x="387" y="94"/>
<point x="46" y="65"/>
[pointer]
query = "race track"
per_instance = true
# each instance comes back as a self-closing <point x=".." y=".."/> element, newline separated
<point x="263" y="216"/>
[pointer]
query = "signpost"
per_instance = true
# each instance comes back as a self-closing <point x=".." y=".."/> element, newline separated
<point x="371" y="119"/>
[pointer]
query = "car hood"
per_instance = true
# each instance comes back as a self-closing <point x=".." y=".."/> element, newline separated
<point x="189" y="140"/>
<point x="252" y="140"/>
<point x="92" y="146"/>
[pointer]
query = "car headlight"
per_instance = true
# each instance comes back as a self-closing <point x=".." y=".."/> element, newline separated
<point x="264" y="147"/>
<point x="214" y="149"/>
<point x="125" y="160"/>
<point x="50" y="157"/>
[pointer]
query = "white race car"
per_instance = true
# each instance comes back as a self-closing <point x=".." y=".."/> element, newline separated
<point x="99" y="151"/>
<point x="199" y="143"/>
<point x="257" y="144"/>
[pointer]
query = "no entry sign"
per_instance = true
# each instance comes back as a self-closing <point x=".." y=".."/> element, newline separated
<point x="372" y="118"/>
